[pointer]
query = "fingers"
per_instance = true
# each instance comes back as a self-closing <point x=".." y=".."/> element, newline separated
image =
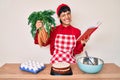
<point x="84" y="41"/>
<point x="39" y="24"/>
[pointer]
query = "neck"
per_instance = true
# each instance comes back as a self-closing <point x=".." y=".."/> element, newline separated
<point x="65" y="25"/>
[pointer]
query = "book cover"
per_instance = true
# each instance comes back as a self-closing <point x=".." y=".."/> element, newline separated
<point x="88" y="32"/>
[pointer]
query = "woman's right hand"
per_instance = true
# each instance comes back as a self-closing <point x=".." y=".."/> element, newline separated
<point x="39" y="24"/>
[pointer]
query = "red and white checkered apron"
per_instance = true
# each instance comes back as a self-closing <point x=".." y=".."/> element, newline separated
<point x="64" y="45"/>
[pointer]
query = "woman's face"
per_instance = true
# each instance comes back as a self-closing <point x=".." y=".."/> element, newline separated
<point x="65" y="17"/>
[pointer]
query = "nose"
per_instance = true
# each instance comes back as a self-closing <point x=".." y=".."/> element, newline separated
<point x="66" y="16"/>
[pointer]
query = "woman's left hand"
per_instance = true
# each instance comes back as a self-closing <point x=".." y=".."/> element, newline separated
<point x="84" y="41"/>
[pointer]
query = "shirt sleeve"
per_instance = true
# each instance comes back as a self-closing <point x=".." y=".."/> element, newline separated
<point x="52" y="40"/>
<point x="36" y="38"/>
<point x="78" y="49"/>
<point x="79" y="46"/>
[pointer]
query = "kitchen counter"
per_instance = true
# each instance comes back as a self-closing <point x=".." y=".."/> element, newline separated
<point x="10" y="71"/>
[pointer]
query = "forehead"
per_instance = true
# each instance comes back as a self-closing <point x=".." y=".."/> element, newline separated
<point x="67" y="12"/>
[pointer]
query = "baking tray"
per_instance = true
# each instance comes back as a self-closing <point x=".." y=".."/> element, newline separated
<point x="68" y="73"/>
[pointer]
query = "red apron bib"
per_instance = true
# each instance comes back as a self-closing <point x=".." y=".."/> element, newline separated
<point x="64" y="45"/>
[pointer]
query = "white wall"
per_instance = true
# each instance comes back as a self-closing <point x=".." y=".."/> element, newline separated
<point x="16" y="42"/>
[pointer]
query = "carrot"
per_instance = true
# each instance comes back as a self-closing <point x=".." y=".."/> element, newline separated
<point x="42" y="36"/>
<point x="39" y="39"/>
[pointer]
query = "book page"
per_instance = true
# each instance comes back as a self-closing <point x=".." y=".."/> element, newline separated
<point x="88" y="32"/>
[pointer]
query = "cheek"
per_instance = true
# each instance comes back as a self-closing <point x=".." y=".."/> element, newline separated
<point x="62" y="18"/>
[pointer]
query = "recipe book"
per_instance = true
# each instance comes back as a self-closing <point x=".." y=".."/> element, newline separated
<point x="88" y="32"/>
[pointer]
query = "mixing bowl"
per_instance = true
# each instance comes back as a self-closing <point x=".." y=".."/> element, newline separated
<point x="90" y="64"/>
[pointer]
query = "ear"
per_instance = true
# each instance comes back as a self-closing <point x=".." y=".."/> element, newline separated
<point x="58" y="17"/>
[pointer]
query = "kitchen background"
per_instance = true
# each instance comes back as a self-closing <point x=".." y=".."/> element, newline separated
<point x="17" y="44"/>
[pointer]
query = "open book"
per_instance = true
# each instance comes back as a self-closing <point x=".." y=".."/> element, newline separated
<point x="88" y="32"/>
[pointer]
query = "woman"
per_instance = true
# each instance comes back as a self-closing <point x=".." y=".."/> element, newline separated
<point x="63" y="44"/>
<point x="63" y="39"/>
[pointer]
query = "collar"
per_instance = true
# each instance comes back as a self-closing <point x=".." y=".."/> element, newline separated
<point x="64" y="26"/>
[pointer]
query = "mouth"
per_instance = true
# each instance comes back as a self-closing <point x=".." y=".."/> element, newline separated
<point x="67" y="20"/>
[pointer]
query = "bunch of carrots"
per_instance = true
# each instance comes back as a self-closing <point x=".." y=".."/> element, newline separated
<point x="42" y="36"/>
